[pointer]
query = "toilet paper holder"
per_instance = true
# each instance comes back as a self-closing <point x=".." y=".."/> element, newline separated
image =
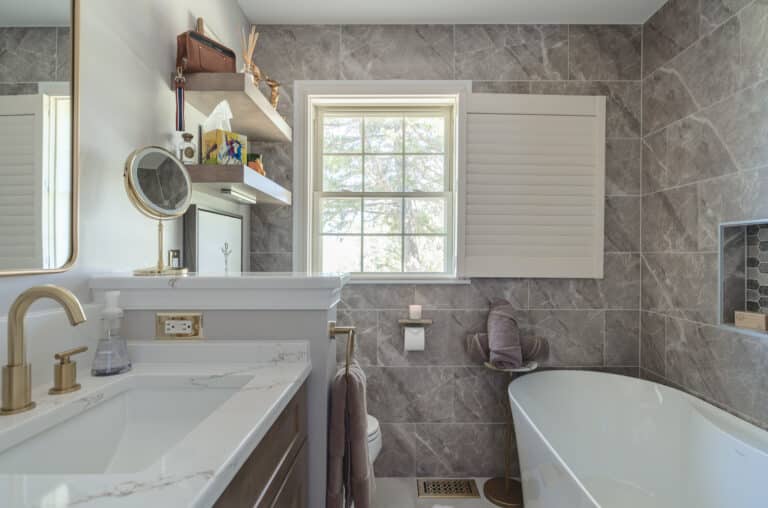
<point x="415" y="322"/>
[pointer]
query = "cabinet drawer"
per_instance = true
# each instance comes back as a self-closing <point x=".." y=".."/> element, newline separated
<point x="258" y="481"/>
<point x="293" y="491"/>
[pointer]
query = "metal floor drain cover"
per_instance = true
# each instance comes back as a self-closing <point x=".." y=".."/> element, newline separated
<point x="457" y="488"/>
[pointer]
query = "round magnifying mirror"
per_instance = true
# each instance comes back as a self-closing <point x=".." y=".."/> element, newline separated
<point x="158" y="185"/>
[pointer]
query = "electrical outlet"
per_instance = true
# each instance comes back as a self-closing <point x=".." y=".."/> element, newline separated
<point x="179" y="325"/>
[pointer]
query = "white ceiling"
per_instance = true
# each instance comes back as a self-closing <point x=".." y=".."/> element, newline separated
<point x="35" y="12"/>
<point x="449" y="11"/>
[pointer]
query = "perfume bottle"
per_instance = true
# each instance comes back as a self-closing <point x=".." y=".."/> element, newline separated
<point x="112" y="352"/>
<point x="186" y="148"/>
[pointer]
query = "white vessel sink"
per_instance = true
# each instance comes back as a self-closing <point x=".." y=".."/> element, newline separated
<point x="132" y="426"/>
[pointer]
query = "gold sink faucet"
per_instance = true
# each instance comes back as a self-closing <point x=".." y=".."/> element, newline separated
<point x="17" y="375"/>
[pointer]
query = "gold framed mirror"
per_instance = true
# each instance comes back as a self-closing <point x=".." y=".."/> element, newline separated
<point x="159" y="186"/>
<point x="39" y="107"/>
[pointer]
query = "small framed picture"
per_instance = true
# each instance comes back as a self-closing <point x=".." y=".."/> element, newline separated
<point x="213" y="241"/>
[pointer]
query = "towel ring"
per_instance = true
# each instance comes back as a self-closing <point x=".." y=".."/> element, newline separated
<point x="350" y="332"/>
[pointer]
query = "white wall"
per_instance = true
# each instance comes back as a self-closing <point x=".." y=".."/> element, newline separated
<point x="128" y="50"/>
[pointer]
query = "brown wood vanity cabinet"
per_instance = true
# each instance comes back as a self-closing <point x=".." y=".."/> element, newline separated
<point x="275" y="474"/>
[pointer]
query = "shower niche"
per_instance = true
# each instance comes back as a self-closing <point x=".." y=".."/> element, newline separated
<point x="744" y="275"/>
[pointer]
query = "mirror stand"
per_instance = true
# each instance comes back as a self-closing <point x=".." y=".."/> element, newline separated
<point x="160" y="268"/>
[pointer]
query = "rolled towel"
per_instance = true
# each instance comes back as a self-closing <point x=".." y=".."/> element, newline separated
<point x="506" y="351"/>
<point x="504" y="346"/>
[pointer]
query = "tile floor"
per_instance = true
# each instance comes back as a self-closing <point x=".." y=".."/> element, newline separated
<point x="401" y="493"/>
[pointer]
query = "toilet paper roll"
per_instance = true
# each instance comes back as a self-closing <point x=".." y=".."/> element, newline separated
<point x="414" y="338"/>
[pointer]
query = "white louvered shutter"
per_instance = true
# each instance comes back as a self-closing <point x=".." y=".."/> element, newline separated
<point x="21" y="182"/>
<point x="534" y="186"/>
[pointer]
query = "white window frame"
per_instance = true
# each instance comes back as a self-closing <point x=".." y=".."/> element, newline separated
<point x="310" y="95"/>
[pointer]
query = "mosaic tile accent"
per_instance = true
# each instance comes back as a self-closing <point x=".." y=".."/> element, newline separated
<point x="757" y="268"/>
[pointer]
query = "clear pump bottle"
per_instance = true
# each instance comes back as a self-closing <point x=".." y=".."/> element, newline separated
<point x="112" y="352"/>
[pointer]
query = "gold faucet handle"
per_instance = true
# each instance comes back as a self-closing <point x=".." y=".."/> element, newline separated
<point x="65" y="373"/>
<point x="63" y="357"/>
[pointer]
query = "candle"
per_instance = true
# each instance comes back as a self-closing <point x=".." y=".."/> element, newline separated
<point x="414" y="311"/>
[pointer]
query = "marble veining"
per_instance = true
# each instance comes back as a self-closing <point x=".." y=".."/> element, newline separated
<point x="20" y="46"/>
<point x="670" y="220"/>
<point x="653" y="342"/>
<point x="511" y="52"/>
<point x="605" y="52"/>
<point x="622" y="167"/>
<point x="754" y="41"/>
<point x="710" y="68"/>
<point x="715" y="12"/>
<point x="397" y="52"/>
<point x="669" y="31"/>
<point x="622" y="224"/>
<point x="194" y="472"/>
<point x="666" y="99"/>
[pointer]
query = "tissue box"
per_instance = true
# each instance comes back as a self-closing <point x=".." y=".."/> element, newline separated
<point x="223" y="147"/>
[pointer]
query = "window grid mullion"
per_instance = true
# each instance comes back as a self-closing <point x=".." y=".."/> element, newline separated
<point x="362" y="200"/>
<point x="402" y="200"/>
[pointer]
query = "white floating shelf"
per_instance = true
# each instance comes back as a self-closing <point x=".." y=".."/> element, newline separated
<point x="216" y="180"/>
<point x="254" y="116"/>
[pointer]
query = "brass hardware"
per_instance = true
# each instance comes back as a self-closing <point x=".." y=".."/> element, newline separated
<point x="449" y="488"/>
<point x="74" y="207"/>
<point x="65" y="373"/>
<point x="415" y="322"/>
<point x="349" y="331"/>
<point x="17" y="375"/>
<point x="195" y="331"/>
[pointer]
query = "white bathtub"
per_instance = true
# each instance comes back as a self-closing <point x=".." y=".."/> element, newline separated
<point x="589" y="439"/>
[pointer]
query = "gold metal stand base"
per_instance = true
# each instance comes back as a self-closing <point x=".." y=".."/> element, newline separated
<point x="504" y="492"/>
<point x="6" y="412"/>
<point x="165" y="272"/>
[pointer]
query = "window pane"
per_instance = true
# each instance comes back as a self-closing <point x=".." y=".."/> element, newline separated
<point x="425" y="173"/>
<point x="425" y="215"/>
<point x="425" y="254"/>
<point x="340" y="215"/>
<point x="342" y="134"/>
<point x="383" y="173"/>
<point x="382" y="253"/>
<point x="383" y="216"/>
<point x="425" y="135"/>
<point x="342" y="173"/>
<point x="383" y="134"/>
<point x="341" y="253"/>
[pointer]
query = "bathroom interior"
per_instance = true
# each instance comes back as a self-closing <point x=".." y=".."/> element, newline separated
<point x="384" y="255"/>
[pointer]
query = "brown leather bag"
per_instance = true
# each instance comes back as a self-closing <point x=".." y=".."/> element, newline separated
<point x="197" y="53"/>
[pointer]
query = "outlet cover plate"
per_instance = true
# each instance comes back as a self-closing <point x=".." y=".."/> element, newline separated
<point x="179" y="326"/>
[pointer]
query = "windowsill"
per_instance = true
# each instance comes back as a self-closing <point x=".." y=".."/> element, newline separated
<point x="447" y="281"/>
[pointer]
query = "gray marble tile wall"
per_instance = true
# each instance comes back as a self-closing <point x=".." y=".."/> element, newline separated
<point x="29" y="55"/>
<point x="704" y="162"/>
<point x="441" y="412"/>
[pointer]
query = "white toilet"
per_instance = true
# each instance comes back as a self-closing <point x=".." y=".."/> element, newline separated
<point x="374" y="438"/>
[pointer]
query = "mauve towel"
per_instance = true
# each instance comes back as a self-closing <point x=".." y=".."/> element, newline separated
<point x="504" y="346"/>
<point x="350" y="474"/>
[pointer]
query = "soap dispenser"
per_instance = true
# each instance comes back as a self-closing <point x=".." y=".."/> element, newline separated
<point x="112" y="352"/>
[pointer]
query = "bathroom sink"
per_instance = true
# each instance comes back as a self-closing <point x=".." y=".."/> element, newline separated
<point x="172" y="432"/>
<point x="123" y="430"/>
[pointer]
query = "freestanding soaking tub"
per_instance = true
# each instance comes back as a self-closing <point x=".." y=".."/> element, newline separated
<point x="589" y="439"/>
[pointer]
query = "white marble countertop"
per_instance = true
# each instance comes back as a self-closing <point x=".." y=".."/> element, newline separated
<point x="197" y="469"/>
